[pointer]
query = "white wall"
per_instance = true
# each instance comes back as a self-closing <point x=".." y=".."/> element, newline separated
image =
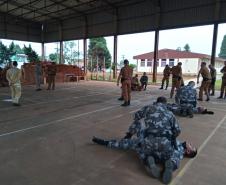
<point x="189" y="66"/>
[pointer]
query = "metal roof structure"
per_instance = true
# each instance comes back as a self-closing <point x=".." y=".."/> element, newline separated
<point x="57" y="20"/>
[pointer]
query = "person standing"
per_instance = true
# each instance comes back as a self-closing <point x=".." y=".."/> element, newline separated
<point x="205" y="82"/>
<point x="223" y="84"/>
<point x="51" y="72"/>
<point x="144" y="81"/>
<point x="38" y="75"/>
<point x="13" y="76"/>
<point x="176" y="78"/>
<point x="213" y="74"/>
<point x="125" y="76"/>
<point x="166" y="75"/>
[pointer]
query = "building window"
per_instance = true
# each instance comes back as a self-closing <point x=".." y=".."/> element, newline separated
<point x="149" y="63"/>
<point x="171" y="62"/>
<point x="142" y="63"/>
<point x="163" y="63"/>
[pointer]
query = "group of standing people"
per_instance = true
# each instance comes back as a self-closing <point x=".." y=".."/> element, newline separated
<point x="207" y="85"/>
<point x="14" y="74"/>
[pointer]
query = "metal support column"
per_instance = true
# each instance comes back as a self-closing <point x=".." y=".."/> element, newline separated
<point x="43" y="51"/>
<point x="156" y="44"/>
<point x="85" y="55"/>
<point x="115" y="56"/>
<point x="214" y="44"/>
<point x="61" y="53"/>
<point x="61" y="59"/>
<point x="215" y="32"/>
<point x="154" y="78"/>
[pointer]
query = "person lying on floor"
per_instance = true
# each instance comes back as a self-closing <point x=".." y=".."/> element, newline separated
<point x="153" y="135"/>
<point x="186" y="102"/>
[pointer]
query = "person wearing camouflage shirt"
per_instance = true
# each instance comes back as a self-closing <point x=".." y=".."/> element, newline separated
<point x="186" y="103"/>
<point x="153" y="136"/>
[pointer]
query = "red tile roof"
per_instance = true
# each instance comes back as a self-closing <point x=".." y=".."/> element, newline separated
<point x="170" y="53"/>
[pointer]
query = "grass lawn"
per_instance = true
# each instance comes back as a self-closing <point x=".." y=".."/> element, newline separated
<point x="218" y="84"/>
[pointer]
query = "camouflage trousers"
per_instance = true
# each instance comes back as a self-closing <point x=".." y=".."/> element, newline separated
<point x="180" y="109"/>
<point x="160" y="149"/>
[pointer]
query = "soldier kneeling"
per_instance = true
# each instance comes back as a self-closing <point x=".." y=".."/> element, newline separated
<point x="155" y="141"/>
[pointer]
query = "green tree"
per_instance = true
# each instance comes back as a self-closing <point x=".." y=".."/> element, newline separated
<point x="32" y="56"/>
<point x="98" y="51"/>
<point x="222" y="53"/>
<point x="70" y="53"/>
<point x="187" y="48"/>
<point x="6" y="52"/>
<point x="178" y="49"/>
<point x="53" y="57"/>
<point x="133" y="66"/>
<point x="18" y="49"/>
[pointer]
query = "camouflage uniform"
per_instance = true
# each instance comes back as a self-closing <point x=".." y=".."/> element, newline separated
<point x="166" y="75"/>
<point x="155" y="129"/>
<point x="51" y="71"/>
<point x="223" y="84"/>
<point x="213" y="74"/>
<point x="126" y="76"/>
<point x="186" y="95"/>
<point x="176" y="78"/>
<point x="205" y="82"/>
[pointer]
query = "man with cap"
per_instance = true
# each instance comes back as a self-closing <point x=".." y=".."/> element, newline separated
<point x="166" y="75"/>
<point x="176" y="78"/>
<point x="125" y="76"/>
<point x="205" y="82"/>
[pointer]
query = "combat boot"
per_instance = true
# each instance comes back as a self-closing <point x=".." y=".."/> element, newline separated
<point x="125" y="104"/>
<point x="128" y="102"/>
<point x="168" y="172"/>
<point x="161" y="87"/>
<point x="100" y="141"/>
<point x="121" y="98"/>
<point x="190" y="113"/>
<point x="152" y="168"/>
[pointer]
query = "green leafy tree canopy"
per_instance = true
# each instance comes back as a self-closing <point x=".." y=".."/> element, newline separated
<point x="187" y="48"/>
<point x="98" y="51"/>
<point x="222" y="53"/>
<point x="32" y="56"/>
<point x="6" y="53"/>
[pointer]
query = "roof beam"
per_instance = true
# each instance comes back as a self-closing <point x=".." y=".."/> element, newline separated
<point x="68" y="7"/>
<point x="19" y="6"/>
<point x="81" y="4"/>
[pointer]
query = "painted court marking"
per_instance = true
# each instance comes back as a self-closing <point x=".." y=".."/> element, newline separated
<point x="71" y="117"/>
<point x="177" y="179"/>
<point x="57" y="121"/>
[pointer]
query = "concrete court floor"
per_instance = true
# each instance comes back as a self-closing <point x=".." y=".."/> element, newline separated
<point x="47" y="141"/>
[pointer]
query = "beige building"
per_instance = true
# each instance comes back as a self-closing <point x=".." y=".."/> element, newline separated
<point x="190" y="61"/>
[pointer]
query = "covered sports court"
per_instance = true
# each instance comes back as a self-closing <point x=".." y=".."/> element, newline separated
<point x="47" y="141"/>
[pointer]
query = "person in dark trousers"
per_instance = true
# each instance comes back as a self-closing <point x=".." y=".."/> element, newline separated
<point x="166" y="76"/>
<point x="144" y="81"/>
<point x="223" y="84"/>
<point x="51" y="72"/>
<point x="213" y="74"/>
<point x="125" y="76"/>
